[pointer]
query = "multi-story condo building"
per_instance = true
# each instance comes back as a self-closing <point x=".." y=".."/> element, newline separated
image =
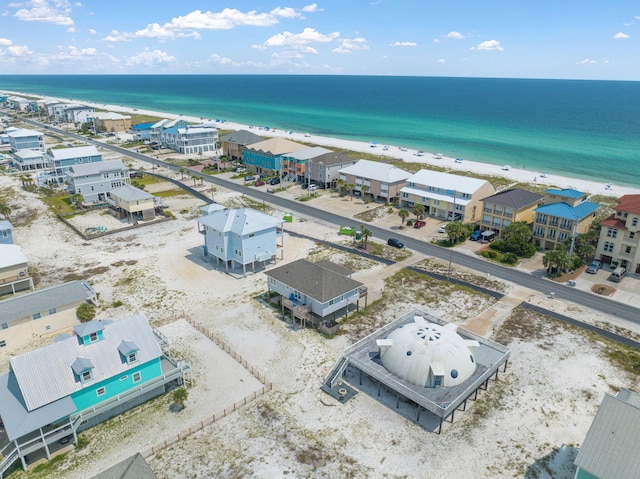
<point x="190" y="139"/>
<point x="565" y="213"/>
<point x="315" y="165"/>
<point x="380" y="181"/>
<point x="619" y="240"/>
<point x="94" y="181"/>
<point x="446" y="196"/>
<point x="505" y="207"/>
<point x="111" y="122"/>
<point x="61" y="160"/>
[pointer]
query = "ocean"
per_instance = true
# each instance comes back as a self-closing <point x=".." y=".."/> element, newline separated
<point x="576" y="128"/>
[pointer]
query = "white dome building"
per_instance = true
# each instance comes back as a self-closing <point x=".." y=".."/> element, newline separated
<point x="428" y="355"/>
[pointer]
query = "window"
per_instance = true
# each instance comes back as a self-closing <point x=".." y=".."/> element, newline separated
<point x="634" y="222"/>
<point x="632" y="234"/>
<point x="86" y="376"/>
<point x="612" y="232"/>
<point x="123" y="378"/>
<point x="52" y="311"/>
<point x="4" y="326"/>
<point x="93" y="337"/>
<point x="37" y="315"/>
<point x="608" y="247"/>
<point x="101" y="391"/>
<point x="136" y="377"/>
<point x="563" y="236"/>
<point x="627" y="250"/>
<point x="132" y="358"/>
<point x="3" y="343"/>
<point x="5" y="234"/>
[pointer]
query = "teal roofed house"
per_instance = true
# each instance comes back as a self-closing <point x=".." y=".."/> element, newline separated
<point x="266" y="156"/>
<point x="103" y="369"/>
<point x="564" y="214"/>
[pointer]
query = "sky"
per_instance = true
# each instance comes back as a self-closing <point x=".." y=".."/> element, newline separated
<point x="567" y="39"/>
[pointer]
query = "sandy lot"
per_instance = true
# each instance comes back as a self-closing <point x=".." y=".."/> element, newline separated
<point x="536" y="413"/>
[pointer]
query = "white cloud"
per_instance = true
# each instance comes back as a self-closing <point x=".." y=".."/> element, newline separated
<point x="298" y="40"/>
<point x="621" y="35"/>
<point x="92" y="31"/>
<point x="154" y="30"/>
<point x="224" y="20"/>
<point x="455" y="35"/>
<point x="312" y="8"/>
<point x="18" y="51"/>
<point x="73" y="53"/>
<point x="71" y="29"/>
<point x="149" y="58"/>
<point x="348" y="45"/>
<point x="41" y="11"/>
<point x="404" y="44"/>
<point x="436" y="40"/>
<point x="442" y="60"/>
<point x="490" y="45"/>
<point x="588" y="61"/>
<point x="4" y="42"/>
<point x="215" y="58"/>
<point x="286" y="12"/>
<point x="116" y="36"/>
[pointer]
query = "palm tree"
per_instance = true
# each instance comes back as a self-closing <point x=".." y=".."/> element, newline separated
<point x="418" y="210"/>
<point x="365" y="189"/>
<point x="403" y="214"/>
<point x="77" y="199"/>
<point x="342" y="184"/>
<point x="365" y="235"/>
<point x="181" y="171"/>
<point x="556" y="259"/>
<point x="350" y="187"/>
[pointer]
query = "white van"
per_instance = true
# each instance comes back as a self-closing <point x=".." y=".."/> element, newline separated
<point x="617" y="274"/>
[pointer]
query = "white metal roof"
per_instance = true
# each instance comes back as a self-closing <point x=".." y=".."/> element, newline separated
<point x="96" y="167"/>
<point x="435" y="196"/>
<point x="375" y="170"/>
<point x="239" y="221"/>
<point x="108" y="115"/>
<point x="130" y="193"/>
<point x="11" y="255"/>
<point x="45" y="375"/>
<point x="74" y="152"/>
<point x="308" y="153"/>
<point x="447" y="181"/>
<point x="22" y="132"/>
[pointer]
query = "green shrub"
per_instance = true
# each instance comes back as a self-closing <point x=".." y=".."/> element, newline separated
<point x="509" y="258"/>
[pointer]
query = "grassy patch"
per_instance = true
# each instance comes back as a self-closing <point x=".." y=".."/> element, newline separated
<point x="170" y="193"/>
<point x="59" y="203"/>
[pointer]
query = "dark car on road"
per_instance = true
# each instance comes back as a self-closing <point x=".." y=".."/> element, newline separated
<point x="396" y="243"/>
<point x="594" y="267"/>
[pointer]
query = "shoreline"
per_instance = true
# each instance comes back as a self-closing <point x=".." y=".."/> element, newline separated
<point x="519" y="175"/>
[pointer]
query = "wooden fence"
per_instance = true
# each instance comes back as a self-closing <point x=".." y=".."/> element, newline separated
<point x="266" y="387"/>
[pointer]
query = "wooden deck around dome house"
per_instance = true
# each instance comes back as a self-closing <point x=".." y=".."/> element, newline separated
<point x="361" y="362"/>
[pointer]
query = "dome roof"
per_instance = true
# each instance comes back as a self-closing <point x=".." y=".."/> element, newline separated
<point x="428" y="354"/>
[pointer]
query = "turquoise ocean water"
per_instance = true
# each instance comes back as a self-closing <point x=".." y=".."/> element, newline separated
<point x="583" y="129"/>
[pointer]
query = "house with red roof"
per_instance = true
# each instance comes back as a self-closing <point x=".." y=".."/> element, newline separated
<point x="620" y="235"/>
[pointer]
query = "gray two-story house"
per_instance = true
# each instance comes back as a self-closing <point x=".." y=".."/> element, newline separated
<point x="94" y="181"/>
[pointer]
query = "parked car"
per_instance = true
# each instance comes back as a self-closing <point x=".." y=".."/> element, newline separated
<point x="270" y="190"/>
<point x="274" y="181"/>
<point x="442" y="229"/>
<point x="305" y="186"/>
<point x="260" y="183"/>
<point x="313" y="187"/>
<point x="476" y="235"/>
<point x="249" y="178"/>
<point x="419" y="224"/>
<point x="594" y="267"/>
<point x="240" y="169"/>
<point x="396" y="243"/>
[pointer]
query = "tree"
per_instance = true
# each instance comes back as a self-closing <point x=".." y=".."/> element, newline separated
<point x="403" y="214"/>
<point x="365" y="189"/>
<point x="77" y="199"/>
<point x="418" y="210"/>
<point x="5" y="211"/>
<point x="456" y="230"/>
<point x="350" y="187"/>
<point x="180" y="396"/>
<point x="181" y="171"/>
<point x="365" y="235"/>
<point x="556" y="260"/>
<point x="86" y="312"/>
<point x="517" y="232"/>
<point x="342" y="185"/>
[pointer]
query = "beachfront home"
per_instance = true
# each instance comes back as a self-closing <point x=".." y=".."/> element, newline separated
<point x="6" y="232"/>
<point x="29" y="160"/>
<point x="241" y="237"/>
<point x="94" y="181"/>
<point x="54" y="110"/>
<point x="234" y="143"/>
<point x="103" y="369"/>
<point x="380" y="181"/>
<point x="564" y="214"/>
<point x="266" y="156"/>
<point x="132" y="203"/>
<point x="109" y="122"/>
<point x="619" y="242"/>
<point x="79" y="114"/>
<point x="157" y="128"/>
<point x="315" y="293"/>
<point x="41" y="313"/>
<point x="21" y="104"/>
<point x="446" y="196"/>
<point x="142" y="132"/>
<point x="61" y="160"/>
<point x="14" y="270"/>
<point x="507" y="206"/>
<point x="23" y="139"/>
<point x="315" y="165"/>
<point x="190" y="139"/>
<point x="610" y="449"/>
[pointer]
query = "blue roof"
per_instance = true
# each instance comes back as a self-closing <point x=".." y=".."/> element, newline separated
<point x="143" y="126"/>
<point x="563" y="210"/>
<point x="566" y="193"/>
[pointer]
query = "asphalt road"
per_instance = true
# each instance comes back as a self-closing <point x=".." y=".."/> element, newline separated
<point x="527" y="280"/>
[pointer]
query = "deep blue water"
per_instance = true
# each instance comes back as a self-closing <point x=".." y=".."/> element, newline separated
<point x="585" y="129"/>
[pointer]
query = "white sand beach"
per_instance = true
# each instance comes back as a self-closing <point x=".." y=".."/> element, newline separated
<point x="520" y="175"/>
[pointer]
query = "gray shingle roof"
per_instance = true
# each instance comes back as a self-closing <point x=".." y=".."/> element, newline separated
<point x="95" y="168"/>
<point x="514" y="198"/>
<point x="45" y="375"/>
<point x="610" y="450"/>
<point x="242" y="137"/>
<point x="130" y="193"/>
<point x="57" y="297"/>
<point x="240" y="221"/>
<point x="314" y="280"/>
<point x="134" y="467"/>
